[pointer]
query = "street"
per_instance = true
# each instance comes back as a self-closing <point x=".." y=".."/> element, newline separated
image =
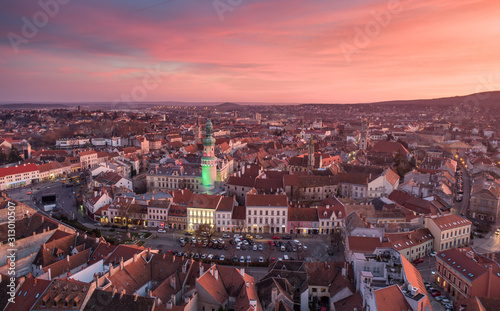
<point x="65" y="201"/>
<point x="316" y="247"/>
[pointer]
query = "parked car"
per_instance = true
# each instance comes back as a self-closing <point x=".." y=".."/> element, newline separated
<point x="238" y="247"/>
<point x="287" y="237"/>
<point x="203" y="256"/>
<point x="242" y="258"/>
<point x="273" y="259"/>
<point x="162" y="231"/>
<point x="222" y="257"/>
<point x="438" y="298"/>
<point x="445" y="301"/>
<point x="225" y="236"/>
<point x="255" y="247"/>
<point x="261" y="259"/>
<point x="210" y="257"/>
<point x="260" y="247"/>
<point x="188" y="233"/>
<point x="433" y="254"/>
<point x="417" y="261"/>
<point x="258" y="237"/>
<point x="297" y="242"/>
<point x="249" y="259"/>
<point x="235" y="258"/>
<point x="248" y="236"/>
<point x="275" y="237"/>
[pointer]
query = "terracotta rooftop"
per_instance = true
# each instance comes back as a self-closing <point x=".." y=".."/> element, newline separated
<point x="450" y="222"/>
<point x="267" y="200"/>
<point x="28" y="294"/>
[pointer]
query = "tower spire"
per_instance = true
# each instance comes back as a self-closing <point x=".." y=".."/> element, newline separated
<point x="208" y="161"/>
<point x="310" y="158"/>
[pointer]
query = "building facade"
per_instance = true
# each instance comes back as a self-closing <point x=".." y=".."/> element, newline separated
<point x="450" y="231"/>
<point x="266" y="213"/>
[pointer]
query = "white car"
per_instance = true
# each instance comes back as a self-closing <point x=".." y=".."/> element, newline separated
<point x="258" y="237"/>
<point x="297" y="242"/>
<point x="238" y="247"/>
<point x="261" y="259"/>
<point x="161" y="231"/>
<point x="225" y="236"/>
<point x="211" y="256"/>
<point x="242" y="259"/>
<point x="433" y="254"/>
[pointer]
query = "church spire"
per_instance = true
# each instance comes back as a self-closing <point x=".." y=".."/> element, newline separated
<point x="310" y="158"/>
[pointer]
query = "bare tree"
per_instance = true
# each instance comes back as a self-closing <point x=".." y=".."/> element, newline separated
<point x="205" y="230"/>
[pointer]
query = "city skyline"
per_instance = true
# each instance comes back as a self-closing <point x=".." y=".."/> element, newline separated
<point x="247" y="51"/>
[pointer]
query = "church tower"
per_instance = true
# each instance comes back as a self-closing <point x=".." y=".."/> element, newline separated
<point x="208" y="161"/>
<point x="364" y="135"/>
<point x="197" y="131"/>
<point x="311" y="158"/>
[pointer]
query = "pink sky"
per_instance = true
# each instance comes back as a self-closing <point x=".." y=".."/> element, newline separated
<point x="262" y="51"/>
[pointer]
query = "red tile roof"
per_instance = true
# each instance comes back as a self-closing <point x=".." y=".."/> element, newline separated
<point x="27" y="294"/>
<point x="18" y="169"/>
<point x="391" y="299"/>
<point x="363" y="244"/>
<point x="279" y="200"/>
<point x="451" y="222"/>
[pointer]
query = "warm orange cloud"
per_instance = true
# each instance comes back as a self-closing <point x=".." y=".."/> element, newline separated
<point x="262" y="51"/>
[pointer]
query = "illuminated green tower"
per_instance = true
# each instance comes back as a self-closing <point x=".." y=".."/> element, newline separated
<point x="208" y="161"/>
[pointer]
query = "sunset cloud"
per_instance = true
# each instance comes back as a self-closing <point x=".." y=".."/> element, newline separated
<point x="262" y="51"/>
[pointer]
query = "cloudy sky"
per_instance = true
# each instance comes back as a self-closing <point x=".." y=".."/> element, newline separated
<point x="272" y="51"/>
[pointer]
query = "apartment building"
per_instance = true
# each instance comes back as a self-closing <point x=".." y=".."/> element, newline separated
<point x="266" y="213"/>
<point x="450" y="231"/>
<point x="463" y="273"/>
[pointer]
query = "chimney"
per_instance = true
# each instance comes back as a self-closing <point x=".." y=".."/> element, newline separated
<point x="114" y="292"/>
<point x="135" y="296"/>
<point x="121" y="263"/>
<point x="173" y="300"/>
<point x="242" y="271"/>
<point x="122" y="293"/>
<point x="201" y="269"/>
<point x="168" y="305"/>
<point x="274" y="295"/>
<point x="248" y="284"/>
<point x="172" y="282"/>
<point x="67" y="258"/>
<point x="216" y="274"/>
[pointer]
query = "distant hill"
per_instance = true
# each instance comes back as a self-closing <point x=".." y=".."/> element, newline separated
<point x="228" y="106"/>
<point x="485" y="98"/>
<point x="33" y="106"/>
